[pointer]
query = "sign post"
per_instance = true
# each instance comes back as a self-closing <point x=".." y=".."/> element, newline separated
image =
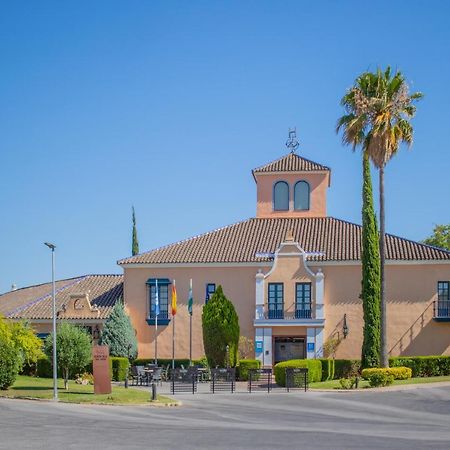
<point x="100" y="367"/>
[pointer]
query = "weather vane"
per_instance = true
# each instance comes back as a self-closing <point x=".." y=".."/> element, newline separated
<point x="292" y="142"/>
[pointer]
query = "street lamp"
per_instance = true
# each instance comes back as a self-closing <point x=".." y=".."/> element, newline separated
<point x="55" y="372"/>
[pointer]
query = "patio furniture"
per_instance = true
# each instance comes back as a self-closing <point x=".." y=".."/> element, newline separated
<point x="156" y="375"/>
<point x="138" y="375"/>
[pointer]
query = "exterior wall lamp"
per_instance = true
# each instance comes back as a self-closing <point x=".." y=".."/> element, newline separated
<point x="345" y="327"/>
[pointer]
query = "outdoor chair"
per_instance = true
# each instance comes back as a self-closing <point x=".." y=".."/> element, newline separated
<point x="156" y="376"/>
<point x="142" y="376"/>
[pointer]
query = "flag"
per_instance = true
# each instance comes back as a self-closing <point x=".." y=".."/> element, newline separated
<point x="190" y="300"/>
<point x="174" y="299"/>
<point x="156" y="299"/>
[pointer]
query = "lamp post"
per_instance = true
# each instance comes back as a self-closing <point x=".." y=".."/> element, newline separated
<point x="55" y="371"/>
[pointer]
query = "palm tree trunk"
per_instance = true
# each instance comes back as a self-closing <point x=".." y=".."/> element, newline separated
<point x="383" y="353"/>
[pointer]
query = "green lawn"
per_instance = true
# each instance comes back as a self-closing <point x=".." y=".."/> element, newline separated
<point x="334" y="384"/>
<point x="42" y="388"/>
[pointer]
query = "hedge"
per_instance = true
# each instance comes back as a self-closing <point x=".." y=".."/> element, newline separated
<point x="398" y="373"/>
<point x="314" y="367"/>
<point x="328" y="368"/>
<point x="423" y="366"/>
<point x="161" y="362"/>
<point x="344" y="368"/>
<point x="380" y="379"/>
<point x="245" y="365"/>
<point x="118" y="367"/>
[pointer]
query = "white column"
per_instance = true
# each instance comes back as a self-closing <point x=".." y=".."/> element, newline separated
<point x="259" y="297"/>
<point x="310" y="343"/>
<point x="267" y="357"/>
<point x="319" y="294"/>
<point x="319" y="342"/>
<point x="259" y="345"/>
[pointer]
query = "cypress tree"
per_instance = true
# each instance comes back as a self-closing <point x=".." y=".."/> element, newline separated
<point x="119" y="334"/>
<point x="134" y="240"/>
<point x="370" y="258"/>
<point x="220" y="325"/>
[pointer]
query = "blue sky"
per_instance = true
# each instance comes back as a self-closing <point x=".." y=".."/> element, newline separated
<point x="169" y="105"/>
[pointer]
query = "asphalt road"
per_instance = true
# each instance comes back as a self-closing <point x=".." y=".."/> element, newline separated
<point x="416" y="418"/>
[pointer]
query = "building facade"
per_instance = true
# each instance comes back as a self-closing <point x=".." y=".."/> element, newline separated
<point x="294" y="276"/>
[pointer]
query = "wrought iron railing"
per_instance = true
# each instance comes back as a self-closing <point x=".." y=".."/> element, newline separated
<point x="289" y="315"/>
<point x="441" y="309"/>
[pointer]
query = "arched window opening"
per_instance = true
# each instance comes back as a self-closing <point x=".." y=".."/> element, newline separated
<point x="281" y="196"/>
<point x="301" y="196"/>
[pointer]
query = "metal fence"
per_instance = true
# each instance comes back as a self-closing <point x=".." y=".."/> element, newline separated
<point x="223" y="380"/>
<point x="296" y="378"/>
<point x="184" y="380"/>
<point x="259" y="380"/>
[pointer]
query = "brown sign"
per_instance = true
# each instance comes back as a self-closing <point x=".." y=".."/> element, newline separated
<point x="100" y="367"/>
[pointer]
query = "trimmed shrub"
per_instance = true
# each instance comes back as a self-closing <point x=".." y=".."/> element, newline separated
<point x="44" y="368"/>
<point x="399" y="373"/>
<point x="220" y="325"/>
<point x="245" y="365"/>
<point x="161" y="362"/>
<point x="202" y="362"/>
<point x="423" y="366"/>
<point x="327" y="369"/>
<point x="345" y="368"/>
<point x="314" y="367"/>
<point x="379" y="379"/>
<point x="118" y="367"/>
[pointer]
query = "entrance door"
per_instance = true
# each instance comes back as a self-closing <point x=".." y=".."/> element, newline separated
<point x="287" y="348"/>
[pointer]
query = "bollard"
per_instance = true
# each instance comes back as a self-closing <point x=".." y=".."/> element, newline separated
<point x="154" y="395"/>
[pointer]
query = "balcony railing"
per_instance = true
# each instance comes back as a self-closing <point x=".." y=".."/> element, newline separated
<point x="441" y="310"/>
<point x="291" y="315"/>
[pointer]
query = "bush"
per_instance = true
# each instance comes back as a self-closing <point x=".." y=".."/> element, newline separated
<point x="314" y="367"/>
<point x="44" y="368"/>
<point x="161" y="362"/>
<point x="245" y="365"/>
<point x="10" y="356"/>
<point x="202" y="362"/>
<point x="118" y="368"/>
<point x="328" y="368"/>
<point x="399" y="373"/>
<point x="348" y="383"/>
<point x="379" y="379"/>
<point x="345" y="368"/>
<point x="423" y="366"/>
<point x="220" y="325"/>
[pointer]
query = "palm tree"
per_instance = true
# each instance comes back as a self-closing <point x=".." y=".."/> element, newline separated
<point x="379" y="109"/>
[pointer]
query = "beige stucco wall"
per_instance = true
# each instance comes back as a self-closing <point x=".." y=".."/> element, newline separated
<point x="318" y="182"/>
<point x="410" y="291"/>
<point x="238" y="285"/>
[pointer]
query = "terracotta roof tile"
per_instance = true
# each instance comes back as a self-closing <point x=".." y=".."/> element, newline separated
<point x="290" y="163"/>
<point x="104" y="291"/>
<point x="239" y="243"/>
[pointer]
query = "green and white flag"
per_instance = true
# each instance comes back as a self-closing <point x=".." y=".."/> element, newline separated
<point x="190" y="300"/>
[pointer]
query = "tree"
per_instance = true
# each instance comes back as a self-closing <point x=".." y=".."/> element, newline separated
<point x="10" y="357"/>
<point x="73" y="349"/>
<point x="118" y="333"/>
<point x="18" y="346"/>
<point x="134" y="239"/>
<point x="370" y="282"/>
<point x="220" y="325"/>
<point x="379" y="108"/>
<point x="440" y="237"/>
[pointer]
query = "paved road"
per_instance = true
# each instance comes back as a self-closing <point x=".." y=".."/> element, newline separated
<point x="314" y="420"/>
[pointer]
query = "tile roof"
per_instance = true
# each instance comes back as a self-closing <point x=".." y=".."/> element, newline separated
<point x="35" y="302"/>
<point x="239" y="243"/>
<point x="290" y="163"/>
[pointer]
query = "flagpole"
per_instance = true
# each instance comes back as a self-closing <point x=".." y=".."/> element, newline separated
<point x="156" y="322"/>
<point x="173" y="328"/>
<point x="190" y="322"/>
